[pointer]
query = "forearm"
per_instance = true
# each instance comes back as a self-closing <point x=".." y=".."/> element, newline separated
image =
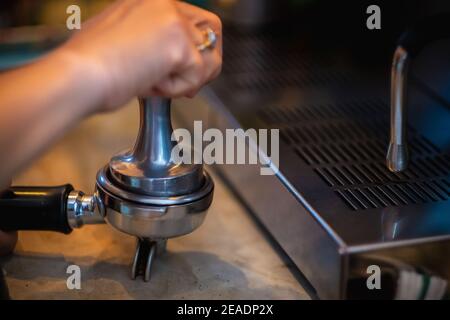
<point x="39" y="102"/>
<point x="133" y="48"/>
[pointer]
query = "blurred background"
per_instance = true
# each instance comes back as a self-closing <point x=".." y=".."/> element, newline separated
<point x="28" y="27"/>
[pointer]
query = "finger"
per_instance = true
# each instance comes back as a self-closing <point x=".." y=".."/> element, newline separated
<point x="213" y="67"/>
<point x="175" y="86"/>
<point x="184" y="81"/>
<point x="204" y="66"/>
<point x="202" y="18"/>
<point x="212" y="57"/>
<point x="191" y="75"/>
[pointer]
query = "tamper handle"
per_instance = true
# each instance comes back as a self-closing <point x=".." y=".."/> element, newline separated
<point x="149" y="168"/>
<point x="35" y="208"/>
<point x="154" y="145"/>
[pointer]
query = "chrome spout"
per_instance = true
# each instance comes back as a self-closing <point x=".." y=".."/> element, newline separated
<point x="410" y="44"/>
<point x="397" y="155"/>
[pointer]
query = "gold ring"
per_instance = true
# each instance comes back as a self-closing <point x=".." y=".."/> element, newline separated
<point x="210" y="40"/>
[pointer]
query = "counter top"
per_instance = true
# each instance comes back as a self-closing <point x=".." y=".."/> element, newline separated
<point x="228" y="257"/>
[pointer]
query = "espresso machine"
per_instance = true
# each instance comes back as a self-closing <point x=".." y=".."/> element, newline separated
<point x="143" y="192"/>
<point x="360" y="182"/>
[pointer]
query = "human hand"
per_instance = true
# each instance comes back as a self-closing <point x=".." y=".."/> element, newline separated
<point x="141" y="48"/>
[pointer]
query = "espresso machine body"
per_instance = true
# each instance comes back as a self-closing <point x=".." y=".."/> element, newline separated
<point x="334" y="207"/>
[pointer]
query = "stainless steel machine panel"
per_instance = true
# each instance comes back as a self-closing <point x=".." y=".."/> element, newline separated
<point x="333" y="199"/>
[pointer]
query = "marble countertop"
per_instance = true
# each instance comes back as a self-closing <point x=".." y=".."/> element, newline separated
<point x="228" y="257"/>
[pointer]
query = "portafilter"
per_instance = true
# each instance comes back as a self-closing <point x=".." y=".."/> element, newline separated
<point x="143" y="192"/>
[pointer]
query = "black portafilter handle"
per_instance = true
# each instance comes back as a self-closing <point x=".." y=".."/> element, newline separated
<point x="430" y="29"/>
<point x="35" y="208"/>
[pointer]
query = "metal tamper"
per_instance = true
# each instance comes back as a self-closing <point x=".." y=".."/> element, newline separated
<point x="143" y="192"/>
<point x="148" y="195"/>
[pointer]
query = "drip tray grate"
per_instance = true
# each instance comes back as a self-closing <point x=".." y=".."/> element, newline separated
<point x="345" y="145"/>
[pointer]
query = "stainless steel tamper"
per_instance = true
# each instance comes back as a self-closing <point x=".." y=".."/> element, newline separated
<point x="146" y="193"/>
<point x="143" y="192"/>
